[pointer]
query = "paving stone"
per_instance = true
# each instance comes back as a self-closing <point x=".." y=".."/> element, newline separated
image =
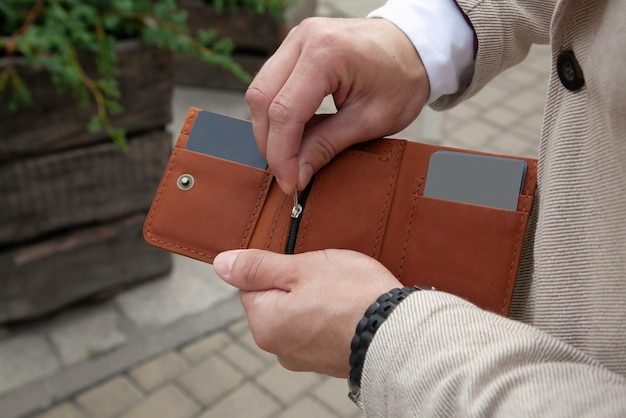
<point x="201" y="349"/>
<point x="243" y="359"/>
<point x="465" y="112"/>
<point x="24" y="359"/>
<point x="428" y="128"/>
<point x="356" y="8"/>
<point x="168" y="402"/>
<point x="248" y="341"/>
<point x="210" y="380"/>
<point x="110" y="398"/>
<point x="191" y="288"/>
<point x="286" y="385"/>
<point x="516" y="77"/>
<point x="326" y="10"/>
<point x="510" y="143"/>
<point x="334" y="394"/>
<point x="539" y="59"/>
<point x="4" y="333"/>
<point x="307" y="408"/>
<point x="160" y="370"/>
<point x="527" y="134"/>
<point x="474" y="134"/>
<point x="239" y="328"/>
<point x="527" y="100"/>
<point x="64" y="410"/>
<point x="502" y="116"/>
<point x="247" y="401"/>
<point x="490" y="96"/>
<point x="359" y="414"/>
<point x="89" y="335"/>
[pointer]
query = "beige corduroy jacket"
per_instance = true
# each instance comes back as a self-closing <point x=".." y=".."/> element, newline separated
<point x="563" y="353"/>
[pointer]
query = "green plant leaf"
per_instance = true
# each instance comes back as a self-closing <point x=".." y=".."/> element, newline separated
<point x="62" y="37"/>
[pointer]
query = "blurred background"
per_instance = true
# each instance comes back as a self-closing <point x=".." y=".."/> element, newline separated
<point x="93" y="321"/>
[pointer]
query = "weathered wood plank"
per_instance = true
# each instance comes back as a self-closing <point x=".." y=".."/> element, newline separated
<point x="38" y="278"/>
<point x="256" y="37"/>
<point x="52" y="192"/>
<point x="193" y="72"/>
<point x="54" y="121"/>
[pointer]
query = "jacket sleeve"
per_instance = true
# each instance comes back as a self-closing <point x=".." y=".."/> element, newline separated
<point x="440" y="356"/>
<point x="505" y="31"/>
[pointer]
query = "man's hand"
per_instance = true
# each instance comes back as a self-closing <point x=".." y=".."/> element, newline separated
<point x="304" y="308"/>
<point x="373" y="72"/>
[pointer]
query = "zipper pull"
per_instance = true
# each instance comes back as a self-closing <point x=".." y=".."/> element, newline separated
<point x="297" y="207"/>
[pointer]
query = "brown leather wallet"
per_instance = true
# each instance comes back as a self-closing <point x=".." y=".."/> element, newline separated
<point x="369" y="198"/>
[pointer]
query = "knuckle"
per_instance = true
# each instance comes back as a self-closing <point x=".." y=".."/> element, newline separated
<point x="307" y="25"/>
<point x="325" y="42"/>
<point x="248" y="266"/>
<point x="280" y="111"/>
<point x="253" y="268"/>
<point x="325" y="148"/>
<point x="255" y="97"/>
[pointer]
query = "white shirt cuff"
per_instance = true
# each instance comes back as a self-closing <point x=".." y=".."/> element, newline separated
<point x="442" y="37"/>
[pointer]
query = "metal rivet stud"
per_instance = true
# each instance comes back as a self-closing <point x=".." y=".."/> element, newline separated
<point x="185" y="182"/>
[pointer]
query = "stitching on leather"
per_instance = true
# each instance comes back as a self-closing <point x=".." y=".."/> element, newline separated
<point x="170" y="166"/>
<point x="375" y="152"/>
<point x="184" y="132"/>
<point x="254" y="212"/>
<point x="156" y="205"/>
<point x="365" y="154"/>
<point x="513" y="273"/>
<point x="392" y="181"/>
<point x="418" y="188"/>
<point x="275" y="223"/>
<point x="180" y="247"/>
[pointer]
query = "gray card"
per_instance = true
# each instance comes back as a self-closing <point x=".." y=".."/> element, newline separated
<point x="476" y="179"/>
<point x="225" y="137"/>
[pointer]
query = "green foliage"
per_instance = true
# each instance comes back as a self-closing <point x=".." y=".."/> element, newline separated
<point x="272" y="6"/>
<point x="53" y="34"/>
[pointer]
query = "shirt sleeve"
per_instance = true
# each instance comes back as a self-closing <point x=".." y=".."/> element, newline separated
<point x="442" y="37"/>
<point x="440" y="356"/>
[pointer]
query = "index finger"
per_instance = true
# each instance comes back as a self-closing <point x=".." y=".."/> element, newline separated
<point x="293" y="107"/>
<point x="268" y="82"/>
<point x="305" y="72"/>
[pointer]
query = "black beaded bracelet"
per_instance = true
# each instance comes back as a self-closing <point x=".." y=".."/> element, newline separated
<point x="374" y="316"/>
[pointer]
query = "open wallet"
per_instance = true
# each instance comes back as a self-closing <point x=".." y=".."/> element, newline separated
<point x="370" y="198"/>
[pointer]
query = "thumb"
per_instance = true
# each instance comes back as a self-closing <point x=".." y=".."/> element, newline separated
<point x="255" y="270"/>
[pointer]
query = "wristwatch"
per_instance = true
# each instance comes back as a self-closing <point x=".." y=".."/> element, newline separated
<point x="373" y="318"/>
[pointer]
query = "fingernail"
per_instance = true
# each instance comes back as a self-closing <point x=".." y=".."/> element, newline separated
<point x="306" y="172"/>
<point x="223" y="263"/>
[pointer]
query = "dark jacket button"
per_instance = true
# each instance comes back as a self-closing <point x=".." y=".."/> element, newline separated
<point x="569" y="71"/>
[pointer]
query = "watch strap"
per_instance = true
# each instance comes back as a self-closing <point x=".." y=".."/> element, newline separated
<point x="373" y="318"/>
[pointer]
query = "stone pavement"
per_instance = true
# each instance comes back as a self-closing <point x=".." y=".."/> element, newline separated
<point x="178" y="346"/>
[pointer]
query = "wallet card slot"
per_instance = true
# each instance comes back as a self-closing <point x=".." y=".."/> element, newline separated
<point x="468" y="250"/>
<point x="350" y="200"/>
<point x="218" y="213"/>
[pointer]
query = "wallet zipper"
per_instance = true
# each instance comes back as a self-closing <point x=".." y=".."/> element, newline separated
<point x="296" y="218"/>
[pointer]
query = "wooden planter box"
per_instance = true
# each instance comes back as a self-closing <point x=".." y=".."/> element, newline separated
<point x="72" y="204"/>
<point x="255" y="36"/>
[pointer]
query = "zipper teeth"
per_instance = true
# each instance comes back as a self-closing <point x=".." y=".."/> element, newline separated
<point x="294" y="225"/>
